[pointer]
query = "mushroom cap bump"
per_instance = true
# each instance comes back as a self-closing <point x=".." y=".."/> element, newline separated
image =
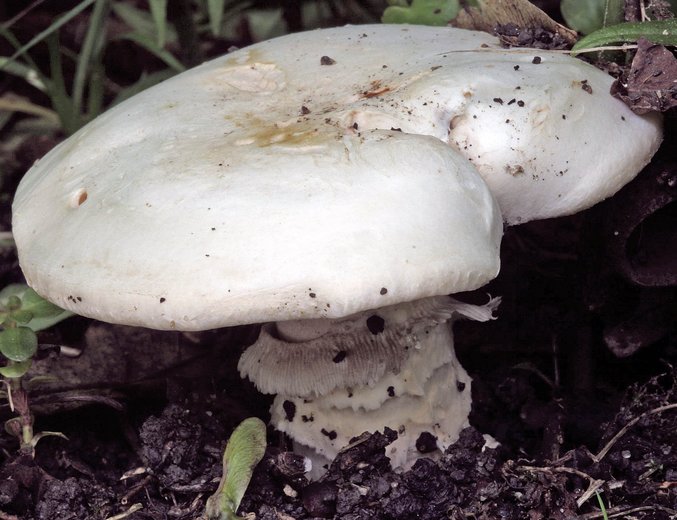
<point x="338" y="183"/>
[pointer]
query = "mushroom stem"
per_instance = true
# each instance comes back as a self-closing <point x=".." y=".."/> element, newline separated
<point x="393" y="367"/>
<point x="418" y="399"/>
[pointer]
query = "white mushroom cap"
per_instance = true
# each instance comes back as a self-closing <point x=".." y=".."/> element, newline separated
<point x="179" y="227"/>
<point x="554" y="142"/>
<point x="287" y="180"/>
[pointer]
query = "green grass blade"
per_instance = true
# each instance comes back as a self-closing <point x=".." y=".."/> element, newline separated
<point x="96" y="91"/>
<point x="138" y="20"/>
<point x="43" y="79"/>
<point x="158" y="9"/>
<point x="61" y="102"/>
<point x="659" y="31"/>
<point x="28" y="74"/>
<point x="150" y="45"/>
<point x="58" y="23"/>
<point x="12" y="103"/>
<point x="602" y="507"/>
<point x="215" y="11"/>
<point x="94" y="41"/>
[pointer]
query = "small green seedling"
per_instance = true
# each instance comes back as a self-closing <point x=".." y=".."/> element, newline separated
<point x="244" y="451"/>
<point x="421" y="12"/>
<point x="22" y="313"/>
<point x="602" y="507"/>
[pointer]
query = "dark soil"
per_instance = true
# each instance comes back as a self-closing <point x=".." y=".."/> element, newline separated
<point x="576" y="379"/>
<point x="164" y="456"/>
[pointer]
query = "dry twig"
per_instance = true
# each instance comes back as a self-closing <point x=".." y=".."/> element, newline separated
<point x="602" y="453"/>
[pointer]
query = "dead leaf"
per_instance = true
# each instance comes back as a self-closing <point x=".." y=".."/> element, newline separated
<point x="517" y="23"/>
<point x="651" y="83"/>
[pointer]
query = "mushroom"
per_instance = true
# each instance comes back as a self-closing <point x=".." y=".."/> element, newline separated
<point x="349" y="245"/>
<point x="326" y="183"/>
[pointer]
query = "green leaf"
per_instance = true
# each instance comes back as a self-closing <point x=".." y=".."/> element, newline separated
<point x="44" y="313"/>
<point x="585" y="16"/>
<point x="21" y="316"/>
<point x="15" y="370"/>
<point x="660" y="31"/>
<point x="41" y="308"/>
<point x="39" y="323"/>
<point x="18" y="343"/>
<point x="13" y="303"/>
<point x="244" y="451"/>
<point x="423" y="12"/>
<point x="13" y="289"/>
